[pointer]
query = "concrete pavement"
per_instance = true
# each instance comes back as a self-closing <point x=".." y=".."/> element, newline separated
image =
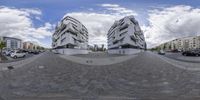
<point x="98" y="59"/>
<point x="145" y="77"/>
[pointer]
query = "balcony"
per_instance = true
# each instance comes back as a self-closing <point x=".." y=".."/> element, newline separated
<point x="124" y="27"/>
<point x="133" y="38"/>
<point x="138" y="32"/>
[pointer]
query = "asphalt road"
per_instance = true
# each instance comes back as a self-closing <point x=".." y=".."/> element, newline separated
<point x="180" y="57"/>
<point x="145" y="77"/>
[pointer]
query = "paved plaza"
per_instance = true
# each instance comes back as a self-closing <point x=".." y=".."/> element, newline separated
<point x="145" y="76"/>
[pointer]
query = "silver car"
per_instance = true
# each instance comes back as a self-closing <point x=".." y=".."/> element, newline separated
<point x="18" y="54"/>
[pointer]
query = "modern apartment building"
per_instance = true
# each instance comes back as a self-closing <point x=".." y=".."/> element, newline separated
<point x="70" y="37"/>
<point x="182" y="44"/>
<point x="11" y="43"/>
<point x="125" y="37"/>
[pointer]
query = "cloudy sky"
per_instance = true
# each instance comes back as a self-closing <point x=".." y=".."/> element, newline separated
<point x="160" y="20"/>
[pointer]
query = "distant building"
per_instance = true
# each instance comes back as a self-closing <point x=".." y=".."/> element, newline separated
<point x="125" y="36"/>
<point x="70" y="37"/>
<point x="182" y="44"/>
<point x="31" y="46"/>
<point x="96" y="47"/>
<point x="12" y="43"/>
<point x="28" y="45"/>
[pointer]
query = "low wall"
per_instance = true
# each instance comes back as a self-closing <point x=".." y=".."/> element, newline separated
<point x="70" y="51"/>
<point x="124" y="51"/>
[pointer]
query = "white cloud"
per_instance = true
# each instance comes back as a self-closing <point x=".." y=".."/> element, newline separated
<point x="32" y="11"/>
<point x="18" y="23"/>
<point x="98" y="24"/>
<point x="117" y="9"/>
<point x="110" y="5"/>
<point x="172" y="22"/>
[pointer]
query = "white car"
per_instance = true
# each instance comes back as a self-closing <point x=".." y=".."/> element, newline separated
<point x="17" y="54"/>
<point x="8" y="52"/>
<point x="161" y="52"/>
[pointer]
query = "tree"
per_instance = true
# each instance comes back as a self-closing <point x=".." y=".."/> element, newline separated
<point x="170" y="47"/>
<point x="2" y="45"/>
<point x="164" y="46"/>
<point x="38" y="48"/>
<point x="174" y="46"/>
<point x="42" y="48"/>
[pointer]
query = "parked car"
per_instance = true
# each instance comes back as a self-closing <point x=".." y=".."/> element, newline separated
<point x="36" y="52"/>
<point x="8" y="52"/>
<point x="3" y="51"/>
<point x="18" y="54"/>
<point x="161" y="52"/>
<point x="33" y="52"/>
<point x="175" y="51"/>
<point x="41" y="51"/>
<point x="30" y="51"/>
<point x="191" y="53"/>
<point x="25" y="51"/>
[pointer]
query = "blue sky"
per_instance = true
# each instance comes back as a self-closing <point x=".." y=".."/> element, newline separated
<point x="53" y="10"/>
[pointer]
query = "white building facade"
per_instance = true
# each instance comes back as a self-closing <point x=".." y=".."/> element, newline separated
<point x="182" y="44"/>
<point x="12" y="43"/>
<point x="125" y="37"/>
<point x="70" y="37"/>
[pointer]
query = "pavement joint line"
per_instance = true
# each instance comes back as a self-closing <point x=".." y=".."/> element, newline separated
<point x="177" y="63"/>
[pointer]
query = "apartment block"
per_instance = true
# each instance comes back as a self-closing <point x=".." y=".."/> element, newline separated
<point x="125" y="37"/>
<point x="11" y="42"/>
<point x="70" y="37"/>
<point x="31" y="46"/>
<point x="182" y="44"/>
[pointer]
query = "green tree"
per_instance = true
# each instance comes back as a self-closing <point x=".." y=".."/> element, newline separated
<point x="174" y="46"/>
<point x="170" y="47"/>
<point x="38" y="48"/>
<point x="2" y="45"/>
